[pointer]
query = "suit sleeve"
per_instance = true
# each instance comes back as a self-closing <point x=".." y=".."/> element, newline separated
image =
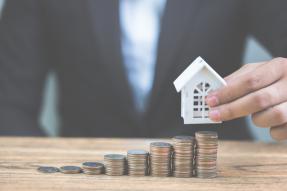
<point x="22" y="68"/>
<point x="267" y="22"/>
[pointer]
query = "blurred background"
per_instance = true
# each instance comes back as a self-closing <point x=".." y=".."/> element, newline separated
<point x="254" y="52"/>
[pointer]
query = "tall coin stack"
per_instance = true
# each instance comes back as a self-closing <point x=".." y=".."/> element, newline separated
<point x="183" y="156"/>
<point x="160" y="159"/>
<point x="206" y="154"/>
<point x="137" y="162"/>
<point x="115" y="164"/>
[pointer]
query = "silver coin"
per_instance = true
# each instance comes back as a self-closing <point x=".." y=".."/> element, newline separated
<point x="114" y="157"/>
<point x="48" y="169"/>
<point x="160" y="144"/>
<point x="92" y="165"/>
<point x="211" y="134"/>
<point x="137" y="152"/>
<point x="183" y="138"/>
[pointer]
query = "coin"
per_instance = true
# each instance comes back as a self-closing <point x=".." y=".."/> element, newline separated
<point x="206" y="154"/>
<point x="48" y="169"/>
<point x="92" y="165"/>
<point x="115" y="164"/>
<point x="183" y="138"/>
<point x="70" y="169"/>
<point x="206" y="134"/>
<point x="114" y="157"/>
<point x="160" y="145"/>
<point x="137" y="152"/>
<point x="93" y="168"/>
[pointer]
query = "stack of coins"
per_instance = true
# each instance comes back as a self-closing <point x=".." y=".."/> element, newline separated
<point x="93" y="168"/>
<point x="115" y="164"/>
<point x="160" y="159"/>
<point x="137" y="162"/>
<point x="183" y="156"/>
<point x="206" y="154"/>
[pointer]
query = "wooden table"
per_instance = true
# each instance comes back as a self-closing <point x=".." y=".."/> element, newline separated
<point x="242" y="166"/>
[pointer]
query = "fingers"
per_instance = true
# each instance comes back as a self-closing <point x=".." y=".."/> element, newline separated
<point x="251" y="103"/>
<point x="258" y="89"/>
<point x="246" y="83"/>
<point x="279" y="132"/>
<point x="273" y="116"/>
<point x="245" y="68"/>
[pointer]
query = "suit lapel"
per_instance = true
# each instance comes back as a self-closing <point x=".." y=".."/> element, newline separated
<point x="177" y="19"/>
<point x="104" y="16"/>
<point x="178" y="16"/>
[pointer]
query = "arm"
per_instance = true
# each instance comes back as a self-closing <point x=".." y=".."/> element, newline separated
<point x="22" y="68"/>
<point x="259" y="89"/>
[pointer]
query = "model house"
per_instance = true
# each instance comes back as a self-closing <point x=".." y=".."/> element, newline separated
<point x="194" y="84"/>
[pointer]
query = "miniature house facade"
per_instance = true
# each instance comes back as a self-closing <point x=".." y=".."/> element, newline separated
<point x="196" y="81"/>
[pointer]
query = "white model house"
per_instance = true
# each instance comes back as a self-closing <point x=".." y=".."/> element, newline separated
<point x="194" y="84"/>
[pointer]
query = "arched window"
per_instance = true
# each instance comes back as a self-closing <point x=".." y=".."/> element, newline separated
<point x="200" y="108"/>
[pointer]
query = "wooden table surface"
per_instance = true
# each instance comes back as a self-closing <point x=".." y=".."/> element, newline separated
<point x="242" y="166"/>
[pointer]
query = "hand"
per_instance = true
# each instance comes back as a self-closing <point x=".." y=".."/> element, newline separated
<point x="259" y="89"/>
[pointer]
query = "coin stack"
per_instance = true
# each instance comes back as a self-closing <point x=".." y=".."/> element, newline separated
<point x="137" y="162"/>
<point x="70" y="169"/>
<point x="206" y="154"/>
<point x="160" y="159"/>
<point x="115" y="164"/>
<point x="93" y="168"/>
<point x="183" y="156"/>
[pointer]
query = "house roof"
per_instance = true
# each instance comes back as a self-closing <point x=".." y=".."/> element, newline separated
<point x="197" y="65"/>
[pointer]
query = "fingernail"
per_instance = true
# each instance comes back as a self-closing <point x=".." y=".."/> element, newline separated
<point x="214" y="115"/>
<point x="212" y="101"/>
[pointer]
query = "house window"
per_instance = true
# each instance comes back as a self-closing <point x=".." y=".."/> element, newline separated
<point x="200" y="108"/>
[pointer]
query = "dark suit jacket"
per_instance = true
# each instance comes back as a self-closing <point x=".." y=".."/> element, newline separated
<point x="80" y="41"/>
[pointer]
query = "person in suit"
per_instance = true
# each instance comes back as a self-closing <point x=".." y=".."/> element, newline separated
<point x="115" y="62"/>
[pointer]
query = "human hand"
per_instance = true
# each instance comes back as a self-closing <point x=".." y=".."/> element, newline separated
<point x="259" y="89"/>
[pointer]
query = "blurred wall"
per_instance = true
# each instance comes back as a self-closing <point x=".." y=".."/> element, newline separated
<point x="49" y="117"/>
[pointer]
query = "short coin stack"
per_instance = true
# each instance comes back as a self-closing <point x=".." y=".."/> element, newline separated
<point x="70" y="169"/>
<point x="206" y="154"/>
<point x="137" y="162"/>
<point x="160" y="159"/>
<point x="183" y="156"/>
<point x="93" y="168"/>
<point x="115" y="164"/>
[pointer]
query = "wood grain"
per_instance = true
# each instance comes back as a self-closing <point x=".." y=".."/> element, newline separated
<point x="242" y="166"/>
